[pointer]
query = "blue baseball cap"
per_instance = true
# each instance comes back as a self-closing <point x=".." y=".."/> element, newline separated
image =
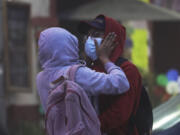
<point x="97" y="23"/>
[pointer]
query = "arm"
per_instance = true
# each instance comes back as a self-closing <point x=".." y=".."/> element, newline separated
<point x="95" y="83"/>
<point x="100" y="83"/>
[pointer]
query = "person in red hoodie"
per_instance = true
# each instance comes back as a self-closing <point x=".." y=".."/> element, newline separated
<point x="115" y="111"/>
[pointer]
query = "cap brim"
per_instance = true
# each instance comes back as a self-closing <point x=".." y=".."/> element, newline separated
<point x="84" y="26"/>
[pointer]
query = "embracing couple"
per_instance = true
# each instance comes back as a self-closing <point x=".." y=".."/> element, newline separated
<point x="113" y="90"/>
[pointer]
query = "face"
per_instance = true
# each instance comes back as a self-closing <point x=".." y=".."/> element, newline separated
<point x="93" y="33"/>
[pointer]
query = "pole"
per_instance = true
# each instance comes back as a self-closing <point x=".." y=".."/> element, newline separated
<point x="3" y="127"/>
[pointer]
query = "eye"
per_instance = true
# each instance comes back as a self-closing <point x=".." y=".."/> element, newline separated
<point x="97" y="34"/>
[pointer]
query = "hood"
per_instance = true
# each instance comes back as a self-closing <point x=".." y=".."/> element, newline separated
<point x="57" y="48"/>
<point x="112" y="25"/>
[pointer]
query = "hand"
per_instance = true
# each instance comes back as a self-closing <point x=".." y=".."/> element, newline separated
<point x="104" y="50"/>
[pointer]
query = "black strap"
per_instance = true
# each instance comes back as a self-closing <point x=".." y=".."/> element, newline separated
<point x="120" y="61"/>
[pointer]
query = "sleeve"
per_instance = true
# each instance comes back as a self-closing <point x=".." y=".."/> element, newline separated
<point x="120" y="111"/>
<point x="95" y="83"/>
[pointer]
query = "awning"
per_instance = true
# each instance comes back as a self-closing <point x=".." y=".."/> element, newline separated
<point x="123" y="10"/>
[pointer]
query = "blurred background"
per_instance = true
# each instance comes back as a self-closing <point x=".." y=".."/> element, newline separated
<point x="152" y="44"/>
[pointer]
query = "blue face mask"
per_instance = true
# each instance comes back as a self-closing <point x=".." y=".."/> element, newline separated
<point x="90" y="48"/>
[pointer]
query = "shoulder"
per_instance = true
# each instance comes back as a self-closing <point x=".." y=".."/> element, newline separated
<point x="39" y="76"/>
<point x="42" y="78"/>
<point x="132" y="73"/>
<point x="129" y="67"/>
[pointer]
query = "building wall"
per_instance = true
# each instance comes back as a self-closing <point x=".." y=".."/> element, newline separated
<point x="166" y="46"/>
<point x="23" y="105"/>
<point x="24" y="97"/>
<point x="2" y="90"/>
<point x="38" y="7"/>
<point x="170" y="4"/>
<point x="166" y="39"/>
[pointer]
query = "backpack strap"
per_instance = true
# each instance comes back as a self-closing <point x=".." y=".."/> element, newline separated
<point x="70" y="74"/>
<point x="120" y="61"/>
<point x="72" y="71"/>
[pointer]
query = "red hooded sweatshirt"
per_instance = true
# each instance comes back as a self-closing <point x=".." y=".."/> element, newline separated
<point x="115" y="111"/>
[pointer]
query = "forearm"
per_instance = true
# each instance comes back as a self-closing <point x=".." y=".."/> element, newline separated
<point x="115" y="82"/>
